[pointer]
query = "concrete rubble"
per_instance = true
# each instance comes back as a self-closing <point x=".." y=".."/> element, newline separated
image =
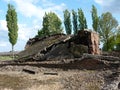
<point x="61" y="46"/>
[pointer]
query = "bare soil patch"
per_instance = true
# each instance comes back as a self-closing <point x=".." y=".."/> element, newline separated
<point x="64" y="80"/>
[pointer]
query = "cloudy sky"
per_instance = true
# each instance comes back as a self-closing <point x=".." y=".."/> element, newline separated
<point x="31" y="12"/>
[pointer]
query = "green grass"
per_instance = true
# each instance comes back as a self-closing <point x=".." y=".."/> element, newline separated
<point x="6" y="58"/>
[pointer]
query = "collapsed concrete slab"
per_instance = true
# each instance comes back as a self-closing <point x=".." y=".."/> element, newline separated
<point x="61" y="46"/>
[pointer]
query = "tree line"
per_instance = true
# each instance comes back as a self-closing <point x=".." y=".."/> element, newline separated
<point x="105" y="25"/>
<point x="79" y="21"/>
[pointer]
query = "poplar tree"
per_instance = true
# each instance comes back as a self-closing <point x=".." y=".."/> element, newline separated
<point x="11" y="18"/>
<point x="82" y="20"/>
<point x="75" y="24"/>
<point x="67" y="22"/>
<point x="95" y="19"/>
<point x="45" y="29"/>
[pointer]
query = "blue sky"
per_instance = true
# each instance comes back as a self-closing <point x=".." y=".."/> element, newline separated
<point x="31" y="12"/>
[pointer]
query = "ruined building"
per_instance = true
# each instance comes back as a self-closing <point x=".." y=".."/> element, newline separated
<point x="90" y="39"/>
<point x="61" y="46"/>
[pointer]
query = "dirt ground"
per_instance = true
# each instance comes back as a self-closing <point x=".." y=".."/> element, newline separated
<point x="13" y="78"/>
<point x="69" y="74"/>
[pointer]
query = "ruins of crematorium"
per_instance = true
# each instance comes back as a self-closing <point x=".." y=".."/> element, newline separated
<point x="61" y="46"/>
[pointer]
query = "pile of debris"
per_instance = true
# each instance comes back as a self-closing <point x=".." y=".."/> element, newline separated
<point x="61" y="46"/>
<point x="79" y="51"/>
<point x="62" y="49"/>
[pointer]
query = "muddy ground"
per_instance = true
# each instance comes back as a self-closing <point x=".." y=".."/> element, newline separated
<point x="67" y="74"/>
<point x="14" y="78"/>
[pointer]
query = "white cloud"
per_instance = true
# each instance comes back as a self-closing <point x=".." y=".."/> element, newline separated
<point x="7" y="1"/>
<point x="36" y="8"/>
<point x="3" y="44"/>
<point x="25" y="32"/>
<point x="110" y="5"/>
<point x="29" y="8"/>
<point x="47" y="3"/>
<point x="104" y="2"/>
<point x="3" y="25"/>
<point x="56" y="8"/>
<point x="99" y="1"/>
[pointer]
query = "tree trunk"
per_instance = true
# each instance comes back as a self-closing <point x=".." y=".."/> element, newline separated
<point x="13" y="52"/>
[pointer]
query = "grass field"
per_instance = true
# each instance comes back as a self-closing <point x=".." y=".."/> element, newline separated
<point x="5" y="58"/>
<point x="7" y="55"/>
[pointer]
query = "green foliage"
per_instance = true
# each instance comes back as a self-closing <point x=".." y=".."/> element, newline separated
<point x="117" y="47"/>
<point x="54" y="23"/>
<point x="5" y="58"/>
<point x="40" y="33"/>
<point x="118" y="36"/>
<point x="117" y="44"/>
<point x="106" y="29"/>
<point x="51" y="25"/>
<point x="82" y="20"/>
<point x="95" y="19"/>
<point x="110" y="45"/>
<point x="45" y="30"/>
<point x="67" y="22"/>
<point x="11" y="18"/>
<point x="75" y="24"/>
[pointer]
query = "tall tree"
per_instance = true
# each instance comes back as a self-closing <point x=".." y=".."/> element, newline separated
<point x="75" y="24"/>
<point x="55" y="24"/>
<point x="82" y="20"/>
<point x="112" y="43"/>
<point x="51" y="25"/>
<point x="45" y="30"/>
<point x="107" y="27"/>
<point x="95" y="18"/>
<point x="67" y="22"/>
<point x="11" y="18"/>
